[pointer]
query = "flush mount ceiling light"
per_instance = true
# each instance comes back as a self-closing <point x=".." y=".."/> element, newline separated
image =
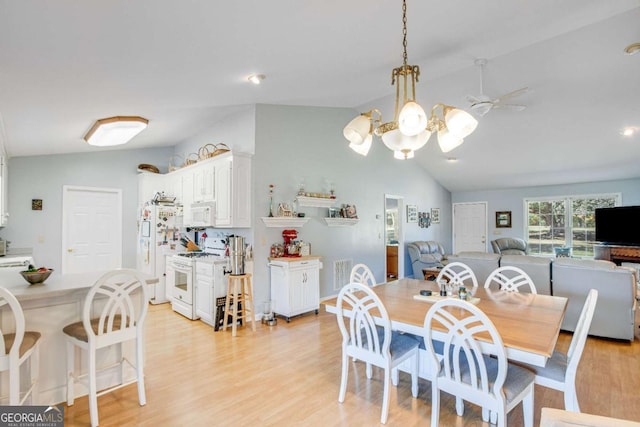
<point x="115" y="130"/>
<point x="632" y="49"/>
<point x="410" y="129"/>
<point x="256" y="79"/>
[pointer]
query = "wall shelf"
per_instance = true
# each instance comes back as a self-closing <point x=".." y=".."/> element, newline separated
<point x="341" y="222"/>
<point x="315" y="202"/>
<point x="284" y="221"/>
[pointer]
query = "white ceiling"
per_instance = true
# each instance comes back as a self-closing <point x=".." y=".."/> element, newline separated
<point x="183" y="65"/>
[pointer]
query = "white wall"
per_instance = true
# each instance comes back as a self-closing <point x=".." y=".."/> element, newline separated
<point x="307" y="142"/>
<point x="42" y="177"/>
<point x="513" y="199"/>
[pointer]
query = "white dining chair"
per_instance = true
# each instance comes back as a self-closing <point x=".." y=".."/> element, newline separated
<point x="114" y="312"/>
<point x="510" y="279"/>
<point x="360" y="273"/>
<point x="560" y="371"/>
<point x="472" y="370"/>
<point x="458" y="273"/>
<point x="18" y="346"/>
<point x="372" y="340"/>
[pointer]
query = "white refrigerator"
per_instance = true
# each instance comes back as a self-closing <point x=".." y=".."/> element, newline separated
<point x="158" y="237"/>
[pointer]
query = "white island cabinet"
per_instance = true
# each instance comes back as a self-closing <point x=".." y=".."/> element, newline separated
<point x="50" y="306"/>
<point x="295" y="285"/>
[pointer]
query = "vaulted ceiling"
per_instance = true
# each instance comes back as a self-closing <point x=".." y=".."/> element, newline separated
<point x="183" y="65"/>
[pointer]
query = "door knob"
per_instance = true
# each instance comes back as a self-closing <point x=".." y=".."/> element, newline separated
<point x="70" y="250"/>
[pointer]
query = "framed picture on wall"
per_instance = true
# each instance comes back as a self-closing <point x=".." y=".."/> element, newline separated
<point x="435" y="215"/>
<point x="503" y="219"/>
<point x="412" y="213"/>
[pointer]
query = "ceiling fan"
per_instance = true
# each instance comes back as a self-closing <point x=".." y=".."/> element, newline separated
<point x="482" y="104"/>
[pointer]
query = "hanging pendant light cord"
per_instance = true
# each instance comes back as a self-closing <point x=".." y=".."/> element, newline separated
<point x="404" y="32"/>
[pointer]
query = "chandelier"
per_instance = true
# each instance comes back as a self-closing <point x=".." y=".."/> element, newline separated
<point x="410" y="129"/>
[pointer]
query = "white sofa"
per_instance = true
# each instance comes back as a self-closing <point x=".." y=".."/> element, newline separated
<point x="615" y="310"/>
<point x="572" y="278"/>
<point x="538" y="268"/>
<point x="481" y="263"/>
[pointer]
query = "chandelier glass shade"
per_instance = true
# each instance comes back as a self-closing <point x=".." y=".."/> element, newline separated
<point x="410" y="129"/>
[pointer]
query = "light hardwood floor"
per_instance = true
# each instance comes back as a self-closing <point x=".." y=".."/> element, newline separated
<point x="289" y="374"/>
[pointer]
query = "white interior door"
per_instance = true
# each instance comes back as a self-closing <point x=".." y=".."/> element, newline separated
<point x="470" y="227"/>
<point x="91" y="229"/>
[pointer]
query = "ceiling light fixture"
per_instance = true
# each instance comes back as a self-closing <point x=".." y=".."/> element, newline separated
<point x="632" y="49"/>
<point x="629" y="131"/>
<point x="410" y="129"/>
<point x="256" y="79"/>
<point x="115" y="130"/>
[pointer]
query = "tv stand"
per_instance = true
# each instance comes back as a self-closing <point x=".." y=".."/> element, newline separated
<point x="617" y="253"/>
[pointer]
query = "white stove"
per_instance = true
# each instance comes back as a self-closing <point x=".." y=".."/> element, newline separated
<point x="181" y="269"/>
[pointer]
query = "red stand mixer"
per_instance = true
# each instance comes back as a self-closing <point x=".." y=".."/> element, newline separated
<point x="290" y="248"/>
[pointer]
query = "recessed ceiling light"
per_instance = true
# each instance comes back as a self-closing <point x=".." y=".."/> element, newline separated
<point x="632" y="49"/>
<point x="256" y="79"/>
<point x="629" y="131"/>
<point x="452" y="159"/>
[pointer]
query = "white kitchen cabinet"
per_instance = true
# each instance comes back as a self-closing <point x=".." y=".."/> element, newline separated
<point x="204" y="290"/>
<point x="173" y="185"/>
<point x="203" y="182"/>
<point x="211" y="284"/>
<point x="149" y="184"/>
<point x="233" y="190"/>
<point x="295" y="285"/>
<point x="187" y="195"/>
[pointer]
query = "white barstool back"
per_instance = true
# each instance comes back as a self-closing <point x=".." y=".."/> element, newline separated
<point x="114" y="312"/>
<point x="16" y="347"/>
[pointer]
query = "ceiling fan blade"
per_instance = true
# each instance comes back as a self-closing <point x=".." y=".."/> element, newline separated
<point x="513" y="94"/>
<point x="514" y="107"/>
<point x="472" y="99"/>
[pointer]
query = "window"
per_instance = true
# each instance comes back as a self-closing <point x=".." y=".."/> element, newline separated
<point x="565" y="222"/>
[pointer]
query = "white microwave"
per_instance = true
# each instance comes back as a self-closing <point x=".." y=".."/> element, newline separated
<point x="203" y="214"/>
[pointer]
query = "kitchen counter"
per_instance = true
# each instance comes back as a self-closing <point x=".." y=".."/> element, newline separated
<point x="48" y="307"/>
<point x="55" y="286"/>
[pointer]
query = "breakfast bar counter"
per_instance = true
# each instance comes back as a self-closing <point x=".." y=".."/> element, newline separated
<point x="48" y="307"/>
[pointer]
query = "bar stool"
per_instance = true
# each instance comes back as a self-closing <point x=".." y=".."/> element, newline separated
<point x="239" y="290"/>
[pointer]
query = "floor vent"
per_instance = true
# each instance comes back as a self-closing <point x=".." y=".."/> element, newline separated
<point x="341" y="273"/>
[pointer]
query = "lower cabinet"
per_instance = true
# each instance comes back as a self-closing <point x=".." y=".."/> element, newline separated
<point x="210" y="283"/>
<point x="295" y="285"/>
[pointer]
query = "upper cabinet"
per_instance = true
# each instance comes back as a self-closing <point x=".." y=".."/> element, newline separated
<point x="149" y="184"/>
<point x="203" y="182"/>
<point x="233" y="190"/>
<point x="224" y="179"/>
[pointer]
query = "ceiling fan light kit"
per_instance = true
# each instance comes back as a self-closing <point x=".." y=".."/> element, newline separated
<point x="116" y="130"/>
<point x="410" y="129"/>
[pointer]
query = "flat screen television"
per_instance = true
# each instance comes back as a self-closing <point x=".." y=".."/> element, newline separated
<point x="618" y="226"/>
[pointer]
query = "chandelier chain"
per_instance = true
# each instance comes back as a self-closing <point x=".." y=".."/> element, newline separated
<point x="404" y="32"/>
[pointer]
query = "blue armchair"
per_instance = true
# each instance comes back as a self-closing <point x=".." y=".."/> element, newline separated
<point x="424" y="254"/>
